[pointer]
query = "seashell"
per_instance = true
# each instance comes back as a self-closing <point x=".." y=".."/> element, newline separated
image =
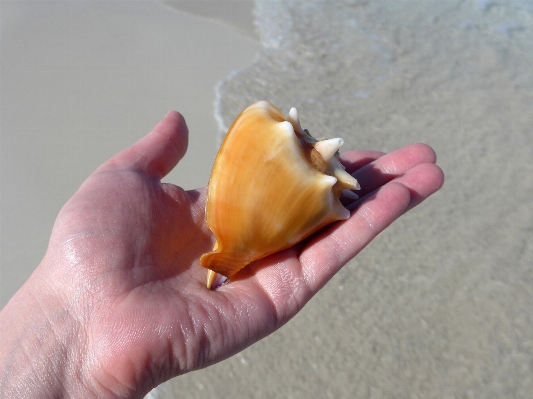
<point x="272" y="185"/>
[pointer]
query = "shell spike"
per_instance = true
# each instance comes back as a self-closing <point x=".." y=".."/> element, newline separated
<point x="346" y="179"/>
<point x="295" y="120"/>
<point x="328" y="148"/>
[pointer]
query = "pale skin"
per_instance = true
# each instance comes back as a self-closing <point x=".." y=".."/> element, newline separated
<point x="119" y="302"/>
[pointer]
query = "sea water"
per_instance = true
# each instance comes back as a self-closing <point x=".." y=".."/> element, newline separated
<point x="333" y="58"/>
<point x="440" y="304"/>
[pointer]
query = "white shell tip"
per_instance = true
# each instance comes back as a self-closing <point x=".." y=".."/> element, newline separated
<point x="343" y="213"/>
<point x="329" y="180"/>
<point x="347" y="180"/>
<point x="295" y="120"/>
<point x="328" y="148"/>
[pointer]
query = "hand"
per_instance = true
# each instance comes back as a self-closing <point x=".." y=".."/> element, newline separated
<point x="119" y="303"/>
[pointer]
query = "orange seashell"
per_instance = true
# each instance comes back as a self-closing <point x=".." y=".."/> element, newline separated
<point x="272" y="185"/>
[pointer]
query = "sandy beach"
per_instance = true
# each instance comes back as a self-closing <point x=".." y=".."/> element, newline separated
<point x="82" y="81"/>
<point x="439" y="305"/>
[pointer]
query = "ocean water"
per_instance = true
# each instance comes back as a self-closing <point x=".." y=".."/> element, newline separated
<point x="328" y="57"/>
<point x="440" y="304"/>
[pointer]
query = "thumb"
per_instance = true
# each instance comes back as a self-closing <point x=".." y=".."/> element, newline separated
<point x="157" y="153"/>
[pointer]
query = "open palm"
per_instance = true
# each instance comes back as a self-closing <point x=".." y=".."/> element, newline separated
<point x="123" y="259"/>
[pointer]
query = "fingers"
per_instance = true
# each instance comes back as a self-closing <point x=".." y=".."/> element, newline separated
<point x="388" y="167"/>
<point x="331" y="249"/>
<point x="413" y="166"/>
<point x="157" y="153"/>
<point x="391" y="184"/>
<point x="422" y="181"/>
<point x="394" y="183"/>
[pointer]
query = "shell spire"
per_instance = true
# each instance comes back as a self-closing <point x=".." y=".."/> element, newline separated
<point x="298" y="193"/>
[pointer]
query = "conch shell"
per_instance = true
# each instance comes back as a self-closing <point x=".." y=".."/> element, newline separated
<point x="272" y="185"/>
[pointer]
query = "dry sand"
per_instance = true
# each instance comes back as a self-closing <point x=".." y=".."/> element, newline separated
<point x="82" y="80"/>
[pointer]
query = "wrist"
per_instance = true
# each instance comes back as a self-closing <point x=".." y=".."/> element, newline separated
<point x="42" y="346"/>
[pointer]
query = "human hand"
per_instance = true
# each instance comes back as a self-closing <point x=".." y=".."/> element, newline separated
<point x="119" y="304"/>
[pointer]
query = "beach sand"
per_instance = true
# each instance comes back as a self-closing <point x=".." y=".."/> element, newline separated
<point x="439" y="305"/>
<point x="83" y="80"/>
